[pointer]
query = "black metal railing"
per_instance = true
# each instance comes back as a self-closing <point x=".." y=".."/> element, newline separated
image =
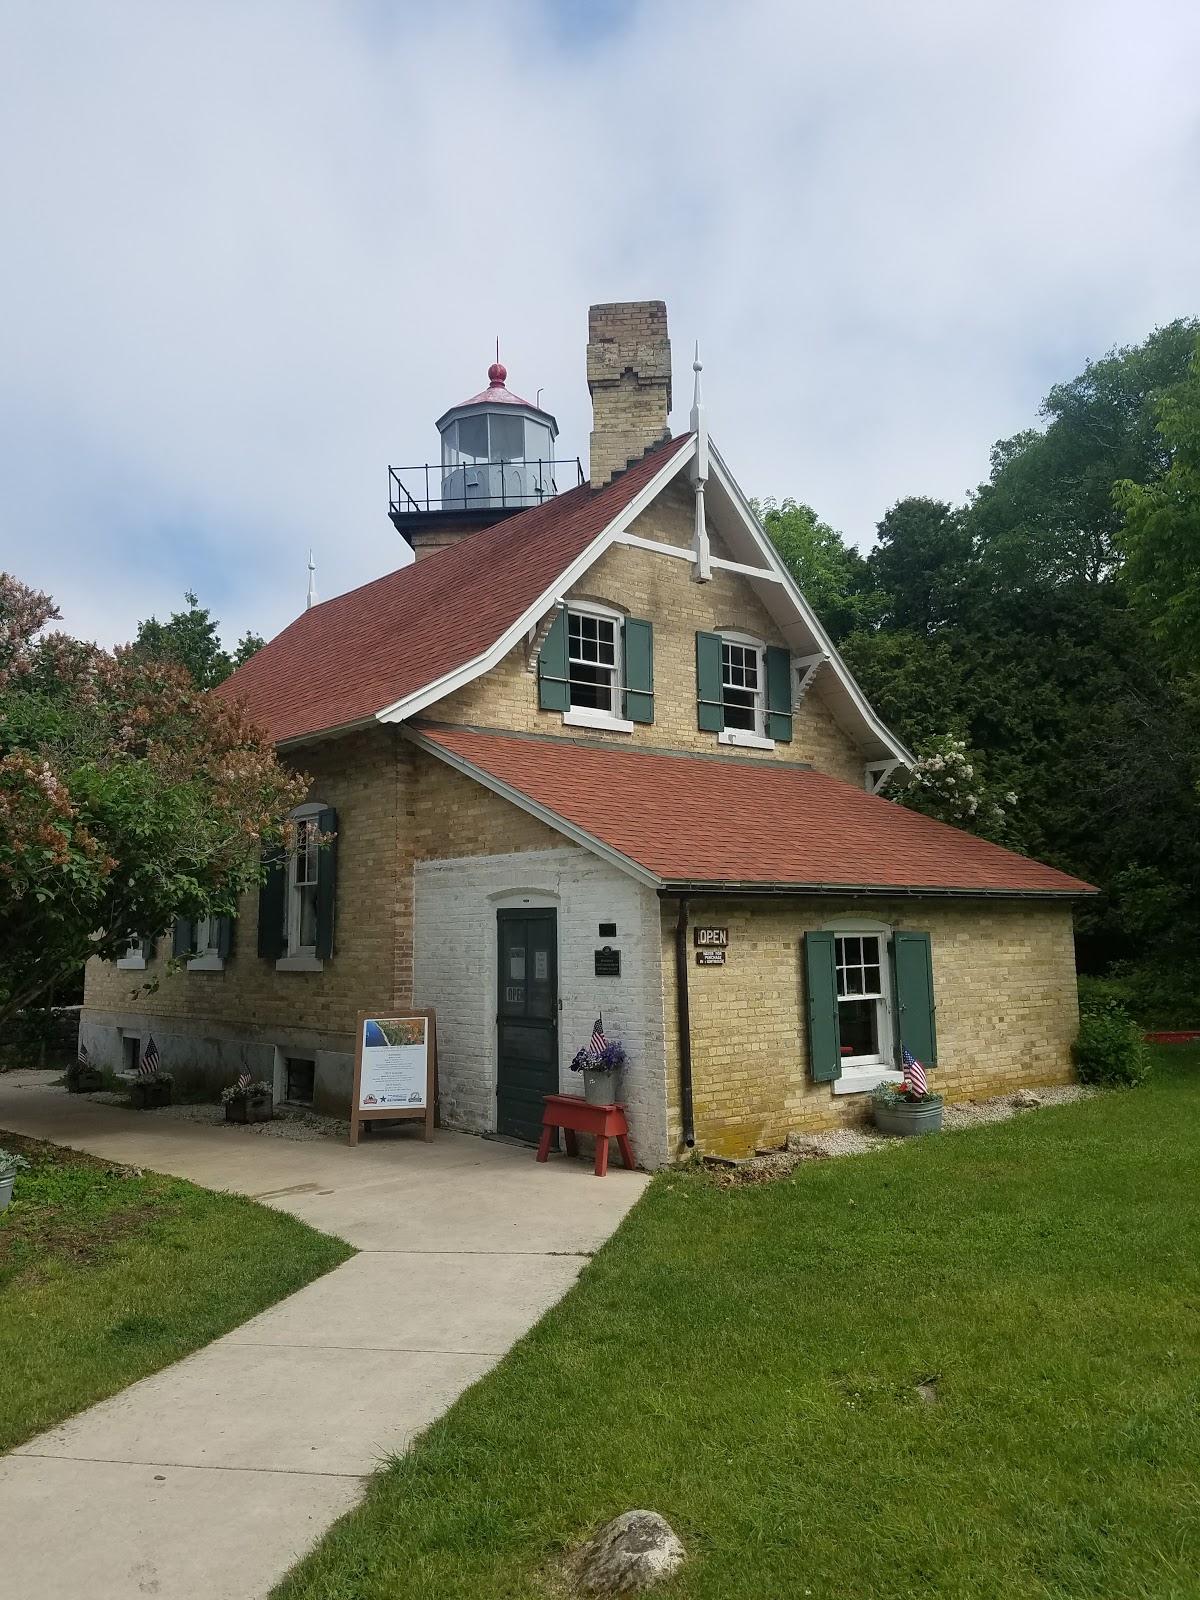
<point x="479" y="485"/>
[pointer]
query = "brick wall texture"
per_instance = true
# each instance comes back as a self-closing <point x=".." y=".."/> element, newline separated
<point x="629" y="376"/>
<point x="1004" y="984"/>
<point x="643" y="584"/>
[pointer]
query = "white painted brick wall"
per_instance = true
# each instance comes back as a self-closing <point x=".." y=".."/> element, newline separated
<point x="455" y="971"/>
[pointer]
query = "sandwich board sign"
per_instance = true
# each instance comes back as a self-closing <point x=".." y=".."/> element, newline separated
<point x="395" y="1069"/>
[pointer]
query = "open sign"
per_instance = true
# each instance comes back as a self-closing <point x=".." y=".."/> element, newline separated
<point x="711" y="938"/>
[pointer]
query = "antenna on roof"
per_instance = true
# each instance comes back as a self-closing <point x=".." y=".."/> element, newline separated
<point x="312" y="582"/>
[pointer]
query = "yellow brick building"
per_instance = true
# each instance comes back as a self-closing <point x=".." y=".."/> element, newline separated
<point x="592" y="755"/>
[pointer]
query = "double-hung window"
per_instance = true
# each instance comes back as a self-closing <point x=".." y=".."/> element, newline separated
<point x="206" y="946"/>
<point x="133" y="958"/>
<point x="594" y="662"/>
<point x="742" y="684"/>
<point x="596" y="667"/>
<point x="298" y="894"/>
<point x="862" y="1000"/>
<point x="743" y="690"/>
<point x="300" y="902"/>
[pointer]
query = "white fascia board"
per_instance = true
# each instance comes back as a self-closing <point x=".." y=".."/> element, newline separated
<point x="518" y="798"/>
<point x="825" y="645"/>
<point x="415" y="703"/>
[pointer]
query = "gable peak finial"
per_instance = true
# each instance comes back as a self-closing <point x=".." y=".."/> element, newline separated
<point x="312" y="582"/>
<point x="697" y="395"/>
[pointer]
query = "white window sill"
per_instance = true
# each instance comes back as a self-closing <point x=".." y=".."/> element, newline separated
<point x="210" y="961"/>
<point x="303" y="961"/>
<point x="597" y="719"/>
<point x="131" y="964"/>
<point x="861" y="1080"/>
<point x="744" y="738"/>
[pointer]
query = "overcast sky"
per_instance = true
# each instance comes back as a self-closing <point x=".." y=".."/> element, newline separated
<point x="252" y="249"/>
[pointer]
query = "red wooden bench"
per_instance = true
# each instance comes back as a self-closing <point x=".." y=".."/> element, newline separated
<point x="574" y="1115"/>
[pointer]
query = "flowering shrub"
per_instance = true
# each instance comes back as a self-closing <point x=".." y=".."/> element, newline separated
<point x="127" y="797"/>
<point x="610" y="1059"/>
<point x="253" y="1091"/>
<point x="946" y="784"/>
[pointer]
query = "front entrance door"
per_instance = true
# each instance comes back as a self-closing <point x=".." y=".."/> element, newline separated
<point x="527" y="1020"/>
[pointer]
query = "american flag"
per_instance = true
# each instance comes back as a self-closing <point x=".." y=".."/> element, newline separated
<point x="243" y="1082"/>
<point x="151" y="1060"/>
<point x="914" y="1073"/>
<point x="599" y="1042"/>
<point x="84" y="1059"/>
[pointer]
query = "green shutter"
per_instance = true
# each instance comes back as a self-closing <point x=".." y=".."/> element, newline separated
<point x="779" y="694"/>
<point x="271" y="941"/>
<point x="912" y="986"/>
<point x="326" y="883"/>
<point x="710" y="713"/>
<point x="224" y="937"/>
<point x="182" y="937"/>
<point x="639" y="670"/>
<point x="824" y="1038"/>
<point x="554" y="688"/>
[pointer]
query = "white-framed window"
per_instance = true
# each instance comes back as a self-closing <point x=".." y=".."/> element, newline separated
<point x="743" y="691"/>
<point x="864" y="1007"/>
<point x="300" y="892"/>
<point x="206" y="952"/>
<point x="134" y="957"/>
<point x="595" y="668"/>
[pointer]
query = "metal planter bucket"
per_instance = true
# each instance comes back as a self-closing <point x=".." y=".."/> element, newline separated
<point x="909" y="1120"/>
<point x="602" y="1088"/>
<point x="6" y="1183"/>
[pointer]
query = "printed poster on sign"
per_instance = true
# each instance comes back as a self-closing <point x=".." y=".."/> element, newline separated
<point x="395" y="1063"/>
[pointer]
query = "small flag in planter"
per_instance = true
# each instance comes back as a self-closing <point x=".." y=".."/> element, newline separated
<point x="151" y="1060"/>
<point x="599" y="1042"/>
<point x="243" y="1082"/>
<point x="84" y="1059"/>
<point x="914" y="1073"/>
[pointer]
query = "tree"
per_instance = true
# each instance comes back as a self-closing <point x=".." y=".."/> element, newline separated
<point x="1161" y="536"/>
<point x="127" y="797"/>
<point x="919" y="563"/>
<point x="831" y="574"/>
<point x="190" y="639"/>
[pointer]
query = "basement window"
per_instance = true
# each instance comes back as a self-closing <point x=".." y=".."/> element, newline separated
<point x="299" y="1076"/>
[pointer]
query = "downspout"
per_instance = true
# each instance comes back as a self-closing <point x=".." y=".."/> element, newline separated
<point x="685" y="1024"/>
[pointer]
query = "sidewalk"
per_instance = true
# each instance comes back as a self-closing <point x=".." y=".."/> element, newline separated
<point x="211" y="1478"/>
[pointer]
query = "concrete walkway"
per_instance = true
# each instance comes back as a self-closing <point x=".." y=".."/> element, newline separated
<point x="209" y="1479"/>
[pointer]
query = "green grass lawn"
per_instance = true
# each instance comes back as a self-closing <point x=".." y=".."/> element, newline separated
<point x="106" y="1276"/>
<point x="746" y="1362"/>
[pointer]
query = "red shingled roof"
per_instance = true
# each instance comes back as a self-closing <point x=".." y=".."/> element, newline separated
<point x="693" y="819"/>
<point x="350" y="657"/>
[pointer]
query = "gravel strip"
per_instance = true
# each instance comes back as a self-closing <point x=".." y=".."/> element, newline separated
<point x="289" y="1122"/>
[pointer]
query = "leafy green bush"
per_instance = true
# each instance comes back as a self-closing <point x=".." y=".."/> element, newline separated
<point x="1094" y="993"/>
<point x="1110" y="1049"/>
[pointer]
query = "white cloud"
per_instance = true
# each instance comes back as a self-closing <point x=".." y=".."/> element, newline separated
<point x="253" y="250"/>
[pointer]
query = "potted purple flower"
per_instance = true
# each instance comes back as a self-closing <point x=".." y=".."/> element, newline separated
<point x="602" y="1063"/>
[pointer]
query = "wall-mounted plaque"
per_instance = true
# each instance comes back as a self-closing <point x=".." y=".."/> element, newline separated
<point x="608" y="962"/>
<point x="710" y="958"/>
<point x="711" y="939"/>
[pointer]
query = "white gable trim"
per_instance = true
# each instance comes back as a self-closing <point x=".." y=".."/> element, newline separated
<point x="523" y="801"/>
<point x="825" y="645"/>
<point x="414" y="703"/>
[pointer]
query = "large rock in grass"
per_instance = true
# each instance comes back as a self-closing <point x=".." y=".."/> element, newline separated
<point x="629" y="1554"/>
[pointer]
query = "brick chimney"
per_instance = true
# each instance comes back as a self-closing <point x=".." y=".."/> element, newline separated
<point x="629" y="376"/>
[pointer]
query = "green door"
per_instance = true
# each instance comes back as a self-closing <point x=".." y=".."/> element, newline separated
<point x="527" y="1020"/>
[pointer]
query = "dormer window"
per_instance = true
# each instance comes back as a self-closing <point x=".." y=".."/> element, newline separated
<point x="742" y="684"/>
<point x="743" y="690"/>
<point x="596" y="666"/>
<point x="593" y="661"/>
